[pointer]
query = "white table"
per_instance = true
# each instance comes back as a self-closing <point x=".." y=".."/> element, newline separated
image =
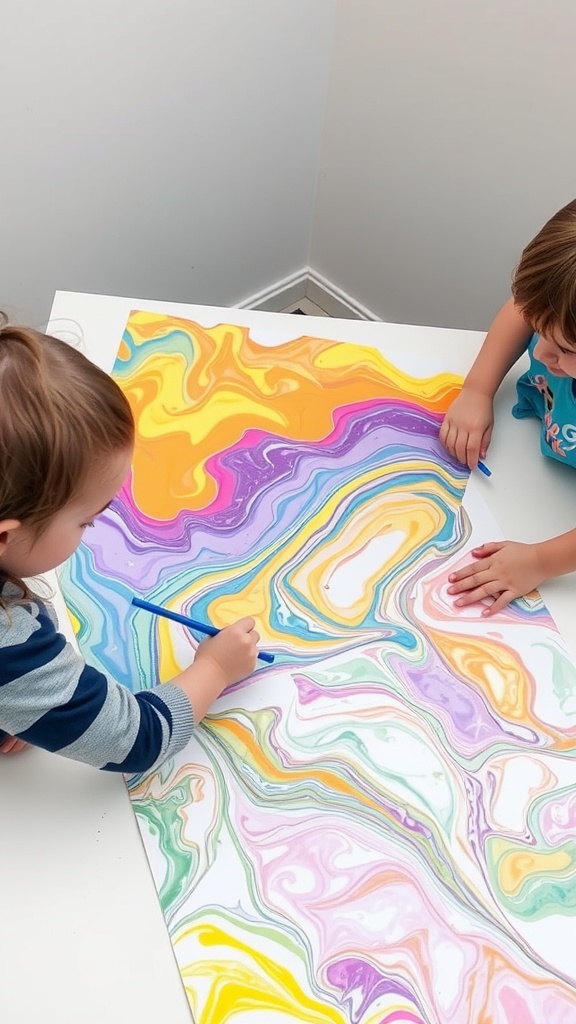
<point x="83" y="939"/>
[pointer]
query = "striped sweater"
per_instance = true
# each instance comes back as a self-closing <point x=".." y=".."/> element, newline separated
<point x="51" y="698"/>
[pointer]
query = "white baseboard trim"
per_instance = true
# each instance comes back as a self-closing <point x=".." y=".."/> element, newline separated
<point x="308" y="283"/>
<point x="335" y="300"/>
<point x="279" y="295"/>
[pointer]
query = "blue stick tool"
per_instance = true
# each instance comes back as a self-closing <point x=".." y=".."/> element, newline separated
<point x="201" y="627"/>
<point x="484" y="469"/>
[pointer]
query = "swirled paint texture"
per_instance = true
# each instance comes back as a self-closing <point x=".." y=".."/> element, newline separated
<point x="382" y="827"/>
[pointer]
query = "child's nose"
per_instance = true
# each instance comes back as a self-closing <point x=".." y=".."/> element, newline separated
<point x="543" y="352"/>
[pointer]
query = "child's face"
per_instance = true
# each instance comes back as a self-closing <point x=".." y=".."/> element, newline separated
<point x="22" y="555"/>
<point x="558" y="355"/>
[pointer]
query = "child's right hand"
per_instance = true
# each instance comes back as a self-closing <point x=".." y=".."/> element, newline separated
<point x="232" y="652"/>
<point x="220" y="661"/>
<point x="467" y="426"/>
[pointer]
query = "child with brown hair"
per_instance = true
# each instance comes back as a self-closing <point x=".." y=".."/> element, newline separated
<point x="541" y="318"/>
<point x="66" y="440"/>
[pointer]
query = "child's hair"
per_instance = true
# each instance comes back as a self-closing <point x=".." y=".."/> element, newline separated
<point x="61" y="417"/>
<point x="544" y="285"/>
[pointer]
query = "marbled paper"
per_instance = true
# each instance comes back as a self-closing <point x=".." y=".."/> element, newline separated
<point x="381" y="827"/>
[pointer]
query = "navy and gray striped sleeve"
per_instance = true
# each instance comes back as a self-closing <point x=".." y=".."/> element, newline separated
<point x="51" y="698"/>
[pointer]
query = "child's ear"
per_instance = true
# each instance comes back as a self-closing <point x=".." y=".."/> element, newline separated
<point x="7" y="528"/>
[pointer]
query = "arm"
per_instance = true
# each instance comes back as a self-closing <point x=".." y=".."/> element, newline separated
<point x="558" y="555"/>
<point x="467" y="426"/>
<point x="506" y="570"/>
<point x="51" y="698"/>
<point x="505" y="342"/>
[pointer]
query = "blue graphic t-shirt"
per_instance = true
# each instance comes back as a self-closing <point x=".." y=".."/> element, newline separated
<point x="552" y="400"/>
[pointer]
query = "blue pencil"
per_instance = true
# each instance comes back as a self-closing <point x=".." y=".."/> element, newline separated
<point x="484" y="469"/>
<point x="201" y="627"/>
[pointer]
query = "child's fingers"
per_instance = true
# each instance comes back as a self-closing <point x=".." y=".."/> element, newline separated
<point x="485" y="443"/>
<point x="448" y="436"/>
<point x="247" y="633"/>
<point x="461" y="447"/>
<point x="473" y="451"/>
<point x="455" y="441"/>
<point x="477" y="446"/>
<point x="474" y="588"/>
<point x="479" y="579"/>
<point x="12" y="745"/>
<point x="500" y="602"/>
<point x="490" y="548"/>
<point x="479" y="593"/>
<point x="245" y="625"/>
<point x="467" y="448"/>
<point x="474" y="574"/>
<point x="244" y="628"/>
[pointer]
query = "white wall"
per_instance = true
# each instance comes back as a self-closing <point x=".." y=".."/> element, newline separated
<point x="157" y="149"/>
<point x="450" y="138"/>
<point x="171" y="150"/>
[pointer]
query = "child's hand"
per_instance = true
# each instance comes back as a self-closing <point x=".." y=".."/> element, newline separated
<point x="232" y="652"/>
<point x="467" y="426"/>
<point x="220" y="661"/>
<point x="12" y="745"/>
<point x="503" y="570"/>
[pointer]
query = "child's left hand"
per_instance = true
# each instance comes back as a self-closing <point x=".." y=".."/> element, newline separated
<point x="503" y="570"/>
<point x="12" y="745"/>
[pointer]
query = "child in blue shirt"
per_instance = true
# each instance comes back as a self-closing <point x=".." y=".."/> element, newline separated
<point x="66" y="439"/>
<point x="539" y="318"/>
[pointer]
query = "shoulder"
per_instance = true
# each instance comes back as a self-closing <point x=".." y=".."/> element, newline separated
<point x="28" y="634"/>
<point x="18" y="619"/>
<point x="16" y="597"/>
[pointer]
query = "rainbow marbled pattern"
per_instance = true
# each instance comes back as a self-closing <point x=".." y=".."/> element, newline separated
<point x="382" y="827"/>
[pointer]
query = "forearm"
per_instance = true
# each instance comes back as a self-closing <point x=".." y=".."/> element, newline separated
<point x="557" y="556"/>
<point x="505" y="342"/>
<point x="202" y="684"/>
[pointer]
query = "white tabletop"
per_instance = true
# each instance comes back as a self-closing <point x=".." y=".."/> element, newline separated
<point x="83" y="939"/>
